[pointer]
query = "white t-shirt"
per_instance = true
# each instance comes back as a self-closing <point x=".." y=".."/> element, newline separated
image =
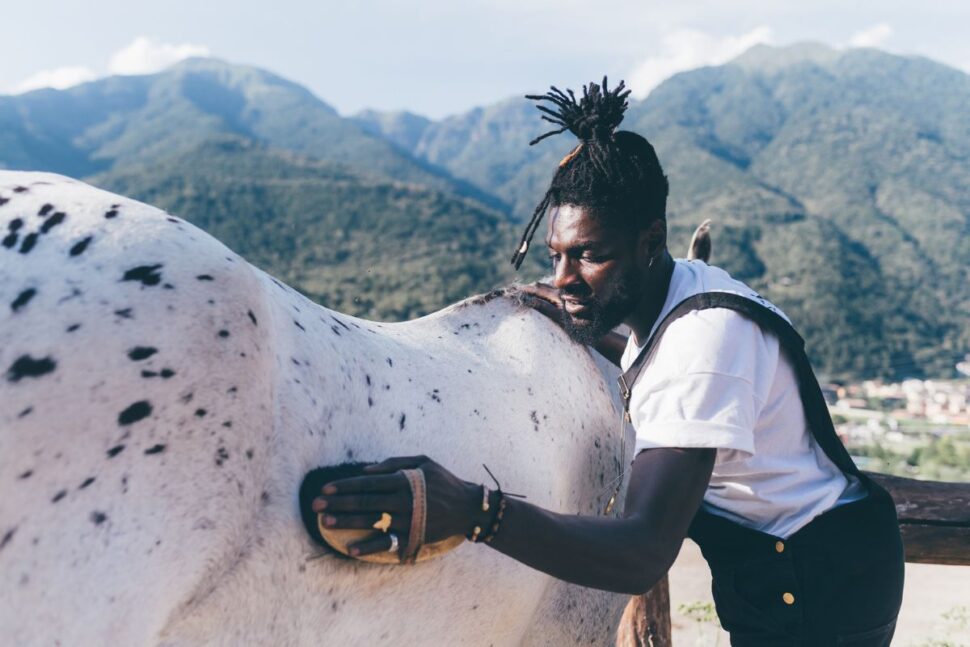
<point x="717" y="380"/>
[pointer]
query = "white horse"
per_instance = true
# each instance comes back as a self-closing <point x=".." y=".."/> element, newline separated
<point x="161" y="400"/>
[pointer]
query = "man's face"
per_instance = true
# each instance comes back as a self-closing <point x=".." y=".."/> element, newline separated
<point x="596" y="271"/>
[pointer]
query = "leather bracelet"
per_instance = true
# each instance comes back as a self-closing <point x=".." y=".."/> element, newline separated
<point x="496" y="523"/>
<point x="475" y="535"/>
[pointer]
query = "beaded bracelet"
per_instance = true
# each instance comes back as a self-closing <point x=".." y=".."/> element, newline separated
<point x="477" y="530"/>
<point x="497" y="523"/>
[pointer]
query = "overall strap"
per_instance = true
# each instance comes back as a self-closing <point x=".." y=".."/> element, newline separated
<point x="816" y="411"/>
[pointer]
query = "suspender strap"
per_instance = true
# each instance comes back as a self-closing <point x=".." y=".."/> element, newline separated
<point x="816" y="411"/>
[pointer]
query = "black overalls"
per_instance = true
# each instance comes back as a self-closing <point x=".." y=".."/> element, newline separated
<point x="839" y="579"/>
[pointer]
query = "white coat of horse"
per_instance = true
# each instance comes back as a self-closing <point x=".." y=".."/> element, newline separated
<point x="161" y="400"/>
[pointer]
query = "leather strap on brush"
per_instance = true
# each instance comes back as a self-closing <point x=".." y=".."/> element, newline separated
<point x="419" y="515"/>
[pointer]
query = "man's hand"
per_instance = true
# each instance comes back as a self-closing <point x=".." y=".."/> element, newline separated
<point x="546" y="300"/>
<point x="359" y="502"/>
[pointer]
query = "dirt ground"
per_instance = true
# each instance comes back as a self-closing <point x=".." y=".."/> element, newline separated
<point x="931" y="591"/>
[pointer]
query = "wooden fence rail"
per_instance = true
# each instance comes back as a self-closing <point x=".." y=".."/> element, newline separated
<point x="934" y="520"/>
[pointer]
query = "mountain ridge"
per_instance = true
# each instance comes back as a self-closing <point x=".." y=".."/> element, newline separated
<point x="837" y="180"/>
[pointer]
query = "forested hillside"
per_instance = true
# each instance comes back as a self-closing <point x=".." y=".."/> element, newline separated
<point x="358" y="244"/>
<point x="838" y="183"/>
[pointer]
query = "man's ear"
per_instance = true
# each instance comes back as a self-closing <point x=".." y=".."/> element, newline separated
<point x="652" y="239"/>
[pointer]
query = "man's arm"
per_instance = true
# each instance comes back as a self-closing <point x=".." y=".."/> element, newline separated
<point x="625" y="555"/>
<point x="611" y="346"/>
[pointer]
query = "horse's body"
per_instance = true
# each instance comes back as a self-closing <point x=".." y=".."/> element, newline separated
<point x="161" y="400"/>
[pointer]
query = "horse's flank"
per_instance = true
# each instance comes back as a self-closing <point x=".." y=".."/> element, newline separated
<point x="162" y="400"/>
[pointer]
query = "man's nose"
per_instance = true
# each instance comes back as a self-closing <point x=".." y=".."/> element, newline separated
<point x="566" y="273"/>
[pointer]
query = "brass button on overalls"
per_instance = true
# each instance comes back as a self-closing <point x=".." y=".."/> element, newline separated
<point x="788" y="598"/>
<point x="779" y="546"/>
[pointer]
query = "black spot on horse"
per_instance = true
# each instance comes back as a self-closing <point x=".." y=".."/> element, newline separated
<point x="137" y="411"/>
<point x="168" y="286"/>
<point x="111" y="213"/>
<point x="26" y="475"/>
<point x="400" y="422"/>
<point x="20" y="189"/>
<point x="124" y="313"/>
<point x="52" y="222"/>
<point x="227" y="424"/>
<point x="203" y="277"/>
<point x="252" y="317"/>
<point x="390" y="362"/>
<point x="88" y="481"/>
<point x="149" y="374"/>
<point x="7" y="536"/>
<point x="200" y="413"/>
<point x="15" y="224"/>
<point x="114" y="451"/>
<point x="535" y="420"/>
<point x="60" y="495"/>
<point x="25" y="412"/>
<point x="148" y="275"/>
<point x="339" y="322"/>
<point x="249" y="454"/>
<point x="27" y="366"/>
<point x="78" y="248"/>
<point x="367" y="377"/>
<point x="10" y="240"/>
<point x="73" y="327"/>
<point x="370" y="401"/>
<point x="139" y="353"/>
<point x="222" y="455"/>
<point x="28" y="243"/>
<point x="155" y="449"/>
<point x="98" y="518"/>
<point x="22" y="299"/>
<point x="46" y="209"/>
<point x="166" y="373"/>
<point x="171" y="219"/>
<point x="223" y="333"/>
<point x="3" y="201"/>
<point x="299" y="326"/>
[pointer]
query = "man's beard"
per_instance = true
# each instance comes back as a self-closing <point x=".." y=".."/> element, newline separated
<point x="600" y="317"/>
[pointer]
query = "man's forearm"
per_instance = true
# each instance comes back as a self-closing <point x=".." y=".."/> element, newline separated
<point x="627" y="555"/>
<point x="611" y="346"/>
<point x="600" y="552"/>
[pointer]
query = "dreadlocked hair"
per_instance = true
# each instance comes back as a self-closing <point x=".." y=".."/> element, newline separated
<point x="615" y="174"/>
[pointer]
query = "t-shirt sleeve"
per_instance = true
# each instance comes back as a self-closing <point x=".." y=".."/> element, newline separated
<point x="705" y="384"/>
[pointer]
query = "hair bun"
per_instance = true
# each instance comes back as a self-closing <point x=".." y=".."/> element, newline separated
<point x="594" y="116"/>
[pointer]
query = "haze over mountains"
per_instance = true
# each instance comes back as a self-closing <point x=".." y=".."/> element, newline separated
<point x="838" y="182"/>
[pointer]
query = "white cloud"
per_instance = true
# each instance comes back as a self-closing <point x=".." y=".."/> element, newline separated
<point x="142" y="56"/>
<point x="59" y="78"/>
<point x="686" y="49"/>
<point x="145" y="56"/>
<point x="873" y="36"/>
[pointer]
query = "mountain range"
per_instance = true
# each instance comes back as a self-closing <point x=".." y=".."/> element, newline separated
<point x="838" y="182"/>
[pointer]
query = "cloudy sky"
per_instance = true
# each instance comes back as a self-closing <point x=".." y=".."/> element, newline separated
<point x="439" y="57"/>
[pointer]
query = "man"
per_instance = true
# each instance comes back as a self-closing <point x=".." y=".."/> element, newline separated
<point x="732" y="446"/>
